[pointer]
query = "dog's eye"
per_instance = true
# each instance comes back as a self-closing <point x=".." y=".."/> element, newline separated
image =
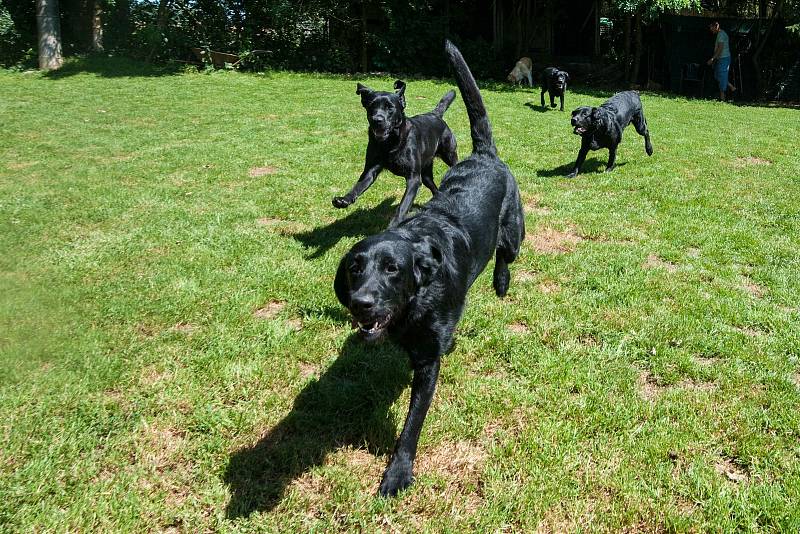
<point x="391" y="268"/>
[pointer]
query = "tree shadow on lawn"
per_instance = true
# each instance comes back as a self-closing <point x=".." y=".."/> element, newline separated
<point x="113" y="67"/>
<point x="591" y="165"/>
<point x="358" y="223"/>
<point x="348" y="405"/>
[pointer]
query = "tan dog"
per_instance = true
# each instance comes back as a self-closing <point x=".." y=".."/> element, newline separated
<point x="521" y="71"/>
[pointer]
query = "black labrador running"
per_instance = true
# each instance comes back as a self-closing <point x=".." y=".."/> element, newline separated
<point x="602" y="127"/>
<point x="554" y="81"/>
<point x="411" y="281"/>
<point x="405" y="146"/>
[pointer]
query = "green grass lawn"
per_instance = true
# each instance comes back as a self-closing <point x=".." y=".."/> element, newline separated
<point x="173" y="357"/>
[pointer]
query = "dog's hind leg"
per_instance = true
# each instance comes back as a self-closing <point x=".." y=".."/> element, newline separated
<point x="427" y="179"/>
<point x="612" y="158"/>
<point x="447" y="150"/>
<point x="366" y="179"/>
<point x="640" y="123"/>
<point x="509" y="240"/>
<point x="412" y="186"/>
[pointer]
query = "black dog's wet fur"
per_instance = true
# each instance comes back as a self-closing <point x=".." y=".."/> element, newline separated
<point x="416" y="276"/>
<point x="554" y="81"/>
<point x="604" y="126"/>
<point x="405" y="146"/>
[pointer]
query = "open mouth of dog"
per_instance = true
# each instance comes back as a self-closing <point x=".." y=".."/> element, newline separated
<point x="579" y="130"/>
<point x="372" y="329"/>
<point x="381" y="133"/>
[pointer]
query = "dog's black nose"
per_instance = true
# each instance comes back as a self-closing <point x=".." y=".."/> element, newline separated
<point x="379" y="119"/>
<point x="360" y="303"/>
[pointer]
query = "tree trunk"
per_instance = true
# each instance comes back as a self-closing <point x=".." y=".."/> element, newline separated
<point x="161" y="25"/>
<point x="627" y="54"/>
<point x="364" y="58"/>
<point x="760" y="89"/>
<point x="97" y="27"/>
<point x="637" y="55"/>
<point x="49" y="28"/>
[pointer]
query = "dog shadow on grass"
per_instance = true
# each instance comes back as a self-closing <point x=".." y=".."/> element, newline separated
<point x="591" y="165"/>
<point x="536" y="107"/>
<point x="357" y="222"/>
<point x="348" y="405"/>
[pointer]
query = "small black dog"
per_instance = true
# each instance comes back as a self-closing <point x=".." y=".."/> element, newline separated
<point x="411" y="281"/>
<point x="405" y="146"/>
<point x="554" y="81"/>
<point x="602" y="127"/>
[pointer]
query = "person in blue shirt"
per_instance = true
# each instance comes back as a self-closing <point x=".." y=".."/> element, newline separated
<point x="721" y="59"/>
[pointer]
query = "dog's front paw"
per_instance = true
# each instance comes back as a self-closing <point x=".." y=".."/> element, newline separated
<point x="341" y="202"/>
<point x="502" y="278"/>
<point x="397" y="477"/>
<point x="553" y="105"/>
<point x="573" y="174"/>
<point x="649" y="149"/>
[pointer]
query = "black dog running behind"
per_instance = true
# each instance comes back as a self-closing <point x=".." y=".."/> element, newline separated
<point x="411" y="281"/>
<point x="554" y="81"/>
<point x="602" y="127"/>
<point x="405" y="146"/>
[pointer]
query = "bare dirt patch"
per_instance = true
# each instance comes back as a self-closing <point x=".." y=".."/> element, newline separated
<point x="145" y="330"/>
<point x="158" y="446"/>
<point x="796" y="379"/>
<point x="152" y="375"/>
<point x="524" y="276"/>
<point x="749" y="331"/>
<point x="654" y="262"/>
<point x="270" y="310"/>
<point x="518" y="328"/>
<point x="307" y="370"/>
<point x="751" y="287"/>
<point x="461" y="462"/>
<point x="184" y="327"/>
<point x="693" y="252"/>
<point x="255" y="172"/>
<point x="731" y="471"/>
<point x="648" y="386"/>
<point x="532" y="204"/>
<point x="549" y="287"/>
<point x="692" y="385"/>
<point x="17" y="166"/>
<point x="704" y="361"/>
<point x="282" y="226"/>
<point x="551" y="241"/>
<point x="751" y="160"/>
<point x="295" y="324"/>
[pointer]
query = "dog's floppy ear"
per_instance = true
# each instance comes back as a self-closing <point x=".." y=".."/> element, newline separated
<point x="566" y="75"/>
<point x="427" y="262"/>
<point x="400" y="89"/>
<point x="365" y="92"/>
<point x="341" y="285"/>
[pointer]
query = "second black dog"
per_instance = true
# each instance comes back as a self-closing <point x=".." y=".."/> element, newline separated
<point x="554" y="81"/>
<point x="602" y="127"/>
<point x="412" y="281"/>
<point x="405" y="146"/>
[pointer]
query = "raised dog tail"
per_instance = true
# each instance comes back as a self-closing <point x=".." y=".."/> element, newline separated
<point x="480" y="128"/>
<point x="444" y="103"/>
